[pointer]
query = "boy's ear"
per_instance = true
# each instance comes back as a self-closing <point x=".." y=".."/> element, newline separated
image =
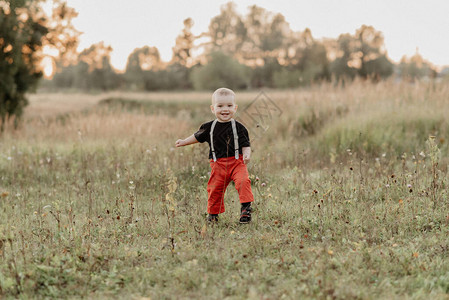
<point x="212" y="108"/>
<point x="236" y="106"/>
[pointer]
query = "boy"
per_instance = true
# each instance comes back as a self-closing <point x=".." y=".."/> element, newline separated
<point x="229" y="153"/>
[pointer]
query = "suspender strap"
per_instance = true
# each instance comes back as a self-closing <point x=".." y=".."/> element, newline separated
<point x="236" y="139"/>
<point x="212" y="140"/>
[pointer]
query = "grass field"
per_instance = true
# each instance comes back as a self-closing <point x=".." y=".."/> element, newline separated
<point x="350" y="186"/>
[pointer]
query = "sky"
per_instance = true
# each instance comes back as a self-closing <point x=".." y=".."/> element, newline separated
<point x="407" y="25"/>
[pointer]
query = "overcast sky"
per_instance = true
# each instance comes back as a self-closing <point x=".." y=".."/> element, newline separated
<point x="407" y="25"/>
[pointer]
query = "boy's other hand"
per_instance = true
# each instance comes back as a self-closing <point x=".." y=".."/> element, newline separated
<point x="246" y="159"/>
<point x="179" y="143"/>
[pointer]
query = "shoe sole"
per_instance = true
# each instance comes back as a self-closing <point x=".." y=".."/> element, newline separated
<point x="243" y="222"/>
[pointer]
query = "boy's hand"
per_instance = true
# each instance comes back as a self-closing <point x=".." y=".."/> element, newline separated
<point x="246" y="159"/>
<point x="179" y="143"/>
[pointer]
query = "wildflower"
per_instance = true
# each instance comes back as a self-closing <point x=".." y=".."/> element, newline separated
<point x="263" y="184"/>
<point x="257" y="178"/>
<point x="131" y="185"/>
<point x="5" y="194"/>
<point x="387" y="185"/>
<point x="422" y="154"/>
<point x="409" y="185"/>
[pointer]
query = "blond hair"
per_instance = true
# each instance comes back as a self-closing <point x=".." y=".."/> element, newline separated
<point x="222" y="92"/>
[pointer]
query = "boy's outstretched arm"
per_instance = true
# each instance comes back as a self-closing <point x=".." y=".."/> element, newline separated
<point x="246" y="154"/>
<point x="188" y="141"/>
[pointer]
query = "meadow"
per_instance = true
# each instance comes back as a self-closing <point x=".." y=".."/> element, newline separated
<point x="350" y="185"/>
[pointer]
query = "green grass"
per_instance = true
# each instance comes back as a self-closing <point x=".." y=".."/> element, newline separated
<point x="124" y="215"/>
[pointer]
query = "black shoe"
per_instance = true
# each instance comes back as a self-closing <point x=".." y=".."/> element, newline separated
<point x="212" y="218"/>
<point x="245" y="215"/>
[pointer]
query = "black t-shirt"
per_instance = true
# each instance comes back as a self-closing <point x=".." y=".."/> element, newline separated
<point x="223" y="138"/>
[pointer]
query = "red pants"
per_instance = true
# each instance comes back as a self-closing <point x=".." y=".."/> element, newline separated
<point x="223" y="171"/>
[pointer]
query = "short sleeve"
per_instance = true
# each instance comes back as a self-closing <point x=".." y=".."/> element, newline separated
<point x="202" y="134"/>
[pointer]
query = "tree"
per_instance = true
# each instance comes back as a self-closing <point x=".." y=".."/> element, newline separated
<point x="415" y="67"/>
<point x="182" y="51"/>
<point x="362" y="54"/>
<point x="344" y="66"/>
<point x="227" y="31"/>
<point x="94" y="70"/>
<point x="141" y="60"/>
<point x="221" y="70"/>
<point x="309" y="57"/>
<point x="268" y="36"/>
<point x="369" y="48"/>
<point x="25" y="31"/>
<point x="62" y="39"/>
<point x="22" y="29"/>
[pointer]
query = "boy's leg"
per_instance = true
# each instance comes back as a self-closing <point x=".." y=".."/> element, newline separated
<point x="240" y="176"/>
<point x="242" y="182"/>
<point x="216" y="188"/>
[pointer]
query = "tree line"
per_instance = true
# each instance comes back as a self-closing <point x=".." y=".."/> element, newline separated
<point x="252" y="51"/>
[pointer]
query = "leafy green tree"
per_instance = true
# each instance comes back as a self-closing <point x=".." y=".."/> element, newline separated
<point x="221" y="70"/>
<point x="267" y="35"/>
<point x="22" y="29"/>
<point x="343" y="66"/>
<point x="369" y="50"/>
<point x="94" y="70"/>
<point x="227" y="31"/>
<point x="182" y="51"/>
<point x="141" y="60"/>
<point x="26" y="36"/>
<point x="262" y="76"/>
<point x="362" y="54"/>
<point x="62" y="38"/>
<point x="379" y="68"/>
<point x="415" y="67"/>
<point x="309" y="58"/>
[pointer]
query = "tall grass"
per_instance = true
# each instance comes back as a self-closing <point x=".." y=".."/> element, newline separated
<point x="351" y="198"/>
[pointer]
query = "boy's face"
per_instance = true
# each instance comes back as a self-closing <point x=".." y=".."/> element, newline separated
<point x="224" y="108"/>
